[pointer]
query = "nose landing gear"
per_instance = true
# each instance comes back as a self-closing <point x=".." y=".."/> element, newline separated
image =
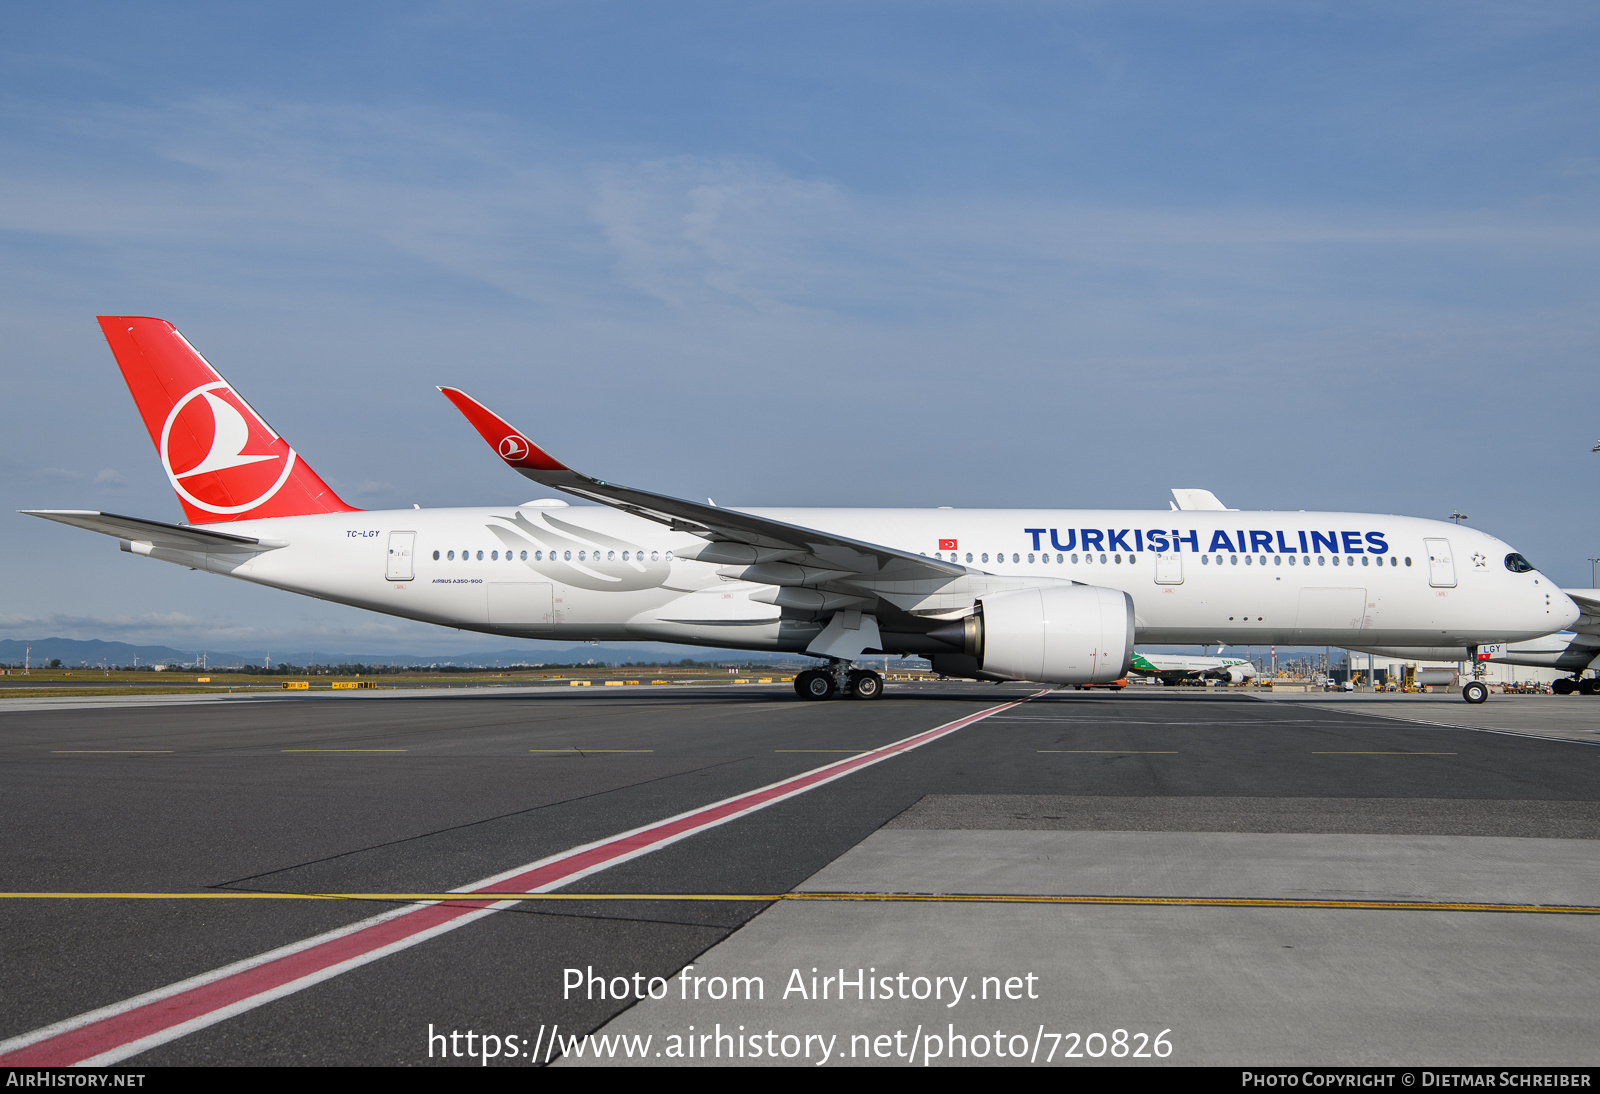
<point x="838" y="679"/>
<point x="1477" y="691"/>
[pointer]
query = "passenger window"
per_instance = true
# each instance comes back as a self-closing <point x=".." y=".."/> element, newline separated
<point x="1322" y="560"/>
<point x="611" y="556"/>
<point x="436" y="556"/>
<point x="1234" y="559"/>
<point x="1044" y="558"/>
<point x="1277" y="560"/>
<point x="624" y="556"/>
<point x="583" y="555"/>
<point x="1118" y="559"/>
<point x="969" y="556"/>
<point x="494" y="556"/>
<point x="1408" y="560"/>
<point x="1030" y="556"/>
<point x="985" y="556"/>
<point x="654" y="556"/>
<point x="1102" y="560"/>
<point x="480" y="556"/>
<point x="669" y="556"/>
<point x="1247" y="560"/>
<point x="450" y="556"/>
<point x="567" y="556"/>
<point x="1365" y="561"/>
<point x="1074" y="560"/>
<point x="1061" y="558"/>
<point x="524" y="556"/>
<point x="1205" y="560"/>
<point x="1132" y="559"/>
<point x="1015" y="557"/>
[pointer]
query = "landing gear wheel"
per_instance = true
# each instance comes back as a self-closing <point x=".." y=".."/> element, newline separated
<point x="812" y="684"/>
<point x="1587" y="687"/>
<point x="1475" y="692"/>
<point x="866" y="685"/>
<point x="1566" y="686"/>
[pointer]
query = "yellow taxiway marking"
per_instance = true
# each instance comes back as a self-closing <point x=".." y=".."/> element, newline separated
<point x="587" y="750"/>
<point x="1383" y="753"/>
<point x="106" y="751"/>
<point x="924" y="898"/>
<point x="1110" y="751"/>
<point x="342" y="750"/>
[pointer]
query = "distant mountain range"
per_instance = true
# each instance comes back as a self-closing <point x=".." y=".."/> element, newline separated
<point x="74" y="652"/>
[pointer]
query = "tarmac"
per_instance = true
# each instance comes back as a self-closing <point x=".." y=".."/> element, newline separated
<point x="1225" y="880"/>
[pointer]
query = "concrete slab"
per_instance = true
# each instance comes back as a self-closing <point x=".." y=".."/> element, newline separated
<point x="1221" y="864"/>
<point x="1376" y="816"/>
<point x="1231" y="986"/>
<point x="1562" y="717"/>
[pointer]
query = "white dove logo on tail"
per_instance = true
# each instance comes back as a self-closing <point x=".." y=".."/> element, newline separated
<point x="230" y="436"/>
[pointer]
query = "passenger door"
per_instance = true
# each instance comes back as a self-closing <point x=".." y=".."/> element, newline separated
<point x="1441" y="567"/>
<point x="1169" y="568"/>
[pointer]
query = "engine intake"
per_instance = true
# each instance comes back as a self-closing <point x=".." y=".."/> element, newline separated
<point x="1060" y="634"/>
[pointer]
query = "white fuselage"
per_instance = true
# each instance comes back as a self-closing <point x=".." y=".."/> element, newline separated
<point x="594" y="573"/>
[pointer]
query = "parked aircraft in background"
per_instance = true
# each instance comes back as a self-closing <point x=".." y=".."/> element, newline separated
<point x="1172" y="668"/>
<point x="1055" y="596"/>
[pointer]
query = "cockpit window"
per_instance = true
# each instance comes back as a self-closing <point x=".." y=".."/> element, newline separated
<point x="1517" y="564"/>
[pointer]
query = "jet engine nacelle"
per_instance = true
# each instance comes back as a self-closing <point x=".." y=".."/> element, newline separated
<point x="1061" y="634"/>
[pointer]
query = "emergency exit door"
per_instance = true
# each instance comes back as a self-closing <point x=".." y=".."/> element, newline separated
<point x="1441" y="566"/>
<point x="400" y="547"/>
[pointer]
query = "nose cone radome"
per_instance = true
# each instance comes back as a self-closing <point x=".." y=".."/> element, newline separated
<point x="1564" y="611"/>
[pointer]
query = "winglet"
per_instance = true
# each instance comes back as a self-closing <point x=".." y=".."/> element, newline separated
<point x="512" y="447"/>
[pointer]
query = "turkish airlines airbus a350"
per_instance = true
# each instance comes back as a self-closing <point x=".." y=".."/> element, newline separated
<point x="1054" y="596"/>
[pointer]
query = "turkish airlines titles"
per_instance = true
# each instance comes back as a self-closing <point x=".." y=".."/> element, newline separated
<point x="1243" y="542"/>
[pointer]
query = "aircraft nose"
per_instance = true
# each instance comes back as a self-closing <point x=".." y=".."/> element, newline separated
<point x="1564" y="611"/>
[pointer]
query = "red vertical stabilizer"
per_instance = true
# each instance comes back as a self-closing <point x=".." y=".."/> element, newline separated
<point x="223" y="460"/>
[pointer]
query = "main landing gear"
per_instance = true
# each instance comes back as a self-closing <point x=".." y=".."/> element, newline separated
<point x="1569" y="684"/>
<point x="838" y="680"/>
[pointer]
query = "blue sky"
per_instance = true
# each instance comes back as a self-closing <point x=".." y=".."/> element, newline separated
<point x="1305" y="255"/>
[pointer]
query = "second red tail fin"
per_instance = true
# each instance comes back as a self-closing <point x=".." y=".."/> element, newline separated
<point x="223" y="460"/>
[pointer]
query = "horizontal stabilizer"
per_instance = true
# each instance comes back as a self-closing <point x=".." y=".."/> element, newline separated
<point x="170" y="537"/>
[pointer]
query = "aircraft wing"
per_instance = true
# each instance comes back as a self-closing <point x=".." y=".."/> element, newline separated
<point x="171" y="537"/>
<point x="736" y="538"/>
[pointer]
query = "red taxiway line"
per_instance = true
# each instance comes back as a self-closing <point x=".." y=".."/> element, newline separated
<point x="110" y="1034"/>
